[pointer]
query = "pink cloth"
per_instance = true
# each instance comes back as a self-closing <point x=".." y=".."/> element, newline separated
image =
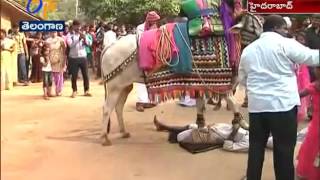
<point x="200" y="4"/>
<point x="303" y="79"/>
<point x="311" y="145"/>
<point x="146" y="59"/>
<point x="58" y="81"/>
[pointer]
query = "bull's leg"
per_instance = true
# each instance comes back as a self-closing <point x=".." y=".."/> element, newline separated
<point x="237" y="121"/>
<point x="200" y="102"/>
<point x="119" y="110"/>
<point x="110" y="103"/>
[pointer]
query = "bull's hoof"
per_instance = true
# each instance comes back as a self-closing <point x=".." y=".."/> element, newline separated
<point x="105" y="141"/>
<point x="125" y="135"/>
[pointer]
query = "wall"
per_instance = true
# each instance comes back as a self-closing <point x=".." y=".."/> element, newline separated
<point x="5" y="20"/>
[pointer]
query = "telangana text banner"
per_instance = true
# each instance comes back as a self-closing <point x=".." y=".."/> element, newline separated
<point x="43" y="26"/>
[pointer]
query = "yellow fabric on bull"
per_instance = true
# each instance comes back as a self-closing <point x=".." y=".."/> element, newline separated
<point x="217" y="26"/>
<point x="214" y="3"/>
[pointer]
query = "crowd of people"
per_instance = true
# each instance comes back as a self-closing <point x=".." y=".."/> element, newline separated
<point x="52" y="57"/>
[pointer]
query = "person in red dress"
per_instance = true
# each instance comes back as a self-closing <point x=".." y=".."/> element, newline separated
<point x="303" y="80"/>
<point x="36" y="48"/>
<point x="308" y="167"/>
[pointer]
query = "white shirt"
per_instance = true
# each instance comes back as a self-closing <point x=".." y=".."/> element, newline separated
<point x="47" y="67"/>
<point x="109" y="38"/>
<point x="267" y="70"/>
<point x="77" y="46"/>
<point x="140" y="30"/>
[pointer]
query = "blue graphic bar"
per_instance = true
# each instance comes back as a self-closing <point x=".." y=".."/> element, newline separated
<point x="42" y="26"/>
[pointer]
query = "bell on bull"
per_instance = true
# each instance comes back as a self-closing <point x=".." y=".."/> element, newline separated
<point x="120" y="84"/>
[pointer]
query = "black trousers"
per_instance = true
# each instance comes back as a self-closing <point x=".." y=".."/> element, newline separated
<point x="283" y="127"/>
<point x="75" y="65"/>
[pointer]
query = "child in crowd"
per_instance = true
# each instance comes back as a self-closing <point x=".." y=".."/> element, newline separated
<point x="308" y="167"/>
<point x="46" y="72"/>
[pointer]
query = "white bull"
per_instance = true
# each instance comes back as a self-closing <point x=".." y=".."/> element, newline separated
<point x="122" y="59"/>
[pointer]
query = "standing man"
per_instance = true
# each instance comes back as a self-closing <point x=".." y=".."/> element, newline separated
<point x="267" y="71"/>
<point x="313" y="38"/>
<point x="109" y="36"/>
<point x="86" y="31"/>
<point x="23" y="54"/>
<point x="94" y="46"/>
<point x="100" y="37"/>
<point x="78" y="58"/>
<point x="151" y="22"/>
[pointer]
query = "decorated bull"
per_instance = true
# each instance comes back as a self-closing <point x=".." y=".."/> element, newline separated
<point x="200" y="57"/>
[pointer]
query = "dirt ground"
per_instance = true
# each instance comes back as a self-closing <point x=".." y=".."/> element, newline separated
<point x="59" y="140"/>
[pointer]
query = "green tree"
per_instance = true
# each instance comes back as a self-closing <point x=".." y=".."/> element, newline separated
<point x="128" y="11"/>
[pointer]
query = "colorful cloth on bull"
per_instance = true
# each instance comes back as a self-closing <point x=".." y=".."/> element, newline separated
<point x="164" y="47"/>
<point x="211" y="73"/>
<point x="184" y="57"/>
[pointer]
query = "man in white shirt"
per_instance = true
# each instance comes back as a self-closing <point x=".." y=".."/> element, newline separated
<point x="109" y="36"/>
<point x="77" y="43"/>
<point x="267" y="71"/>
<point x="143" y="98"/>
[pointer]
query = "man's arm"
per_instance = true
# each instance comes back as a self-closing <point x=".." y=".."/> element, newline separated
<point x="304" y="93"/>
<point x="242" y="74"/>
<point x="301" y="54"/>
<point x="71" y="41"/>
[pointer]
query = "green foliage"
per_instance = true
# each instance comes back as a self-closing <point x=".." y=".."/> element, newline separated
<point x="128" y="11"/>
<point x="65" y="10"/>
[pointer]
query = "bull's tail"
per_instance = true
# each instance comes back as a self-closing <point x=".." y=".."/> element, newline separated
<point x="105" y="98"/>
